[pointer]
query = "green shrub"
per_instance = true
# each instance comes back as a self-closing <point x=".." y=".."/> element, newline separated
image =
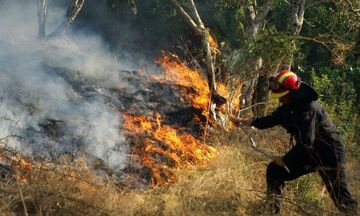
<point x="339" y="92"/>
<point x="306" y="190"/>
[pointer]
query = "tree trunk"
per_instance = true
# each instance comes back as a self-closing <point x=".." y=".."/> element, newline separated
<point x="297" y="16"/>
<point x="296" y="19"/>
<point x="256" y="89"/>
<point x="295" y="23"/>
<point x="41" y="13"/>
<point x="251" y="32"/>
<point x="71" y="14"/>
<point x="209" y="58"/>
<point x="193" y="19"/>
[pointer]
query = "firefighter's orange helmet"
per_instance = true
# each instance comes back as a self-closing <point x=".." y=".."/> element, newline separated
<point x="282" y="82"/>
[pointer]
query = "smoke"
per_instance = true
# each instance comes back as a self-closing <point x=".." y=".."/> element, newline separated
<point x="142" y="34"/>
<point x="53" y="93"/>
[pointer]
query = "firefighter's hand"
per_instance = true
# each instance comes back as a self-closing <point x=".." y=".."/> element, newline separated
<point x="240" y="121"/>
<point x="279" y="161"/>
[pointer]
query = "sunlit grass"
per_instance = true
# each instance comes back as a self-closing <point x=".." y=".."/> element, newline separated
<point x="233" y="183"/>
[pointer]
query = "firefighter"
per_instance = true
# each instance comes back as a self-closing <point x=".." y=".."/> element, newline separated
<point x="318" y="145"/>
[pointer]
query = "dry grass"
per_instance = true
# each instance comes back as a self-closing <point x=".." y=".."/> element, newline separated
<point x="231" y="184"/>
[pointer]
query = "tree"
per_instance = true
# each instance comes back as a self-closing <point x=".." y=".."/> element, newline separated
<point x="41" y="13"/>
<point x="192" y="17"/>
<point x="71" y="14"/>
<point x="271" y="36"/>
<point x="253" y="21"/>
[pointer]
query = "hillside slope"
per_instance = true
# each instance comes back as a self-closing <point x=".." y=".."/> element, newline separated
<point x="233" y="183"/>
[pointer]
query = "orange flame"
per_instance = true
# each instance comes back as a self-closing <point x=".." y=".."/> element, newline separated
<point x="163" y="141"/>
<point x="234" y="97"/>
<point x="213" y="44"/>
<point x="22" y="168"/>
<point x="196" y="89"/>
<point x="163" y="148"/>
<point x="178" y="73"/>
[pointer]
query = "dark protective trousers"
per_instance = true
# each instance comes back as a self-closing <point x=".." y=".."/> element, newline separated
<point x="300" y="162"/>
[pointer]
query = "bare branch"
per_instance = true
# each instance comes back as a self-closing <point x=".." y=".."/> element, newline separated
<point x="187" y="17"/>
<point x="72" y="12"/>
<point x="204" y="33"/>
<point x="41" y="12"/>
<point x="302" y="9"/>
<point x="357" y="11"/>
<point x="315" y="40"/>
<point x="196" y="14"/>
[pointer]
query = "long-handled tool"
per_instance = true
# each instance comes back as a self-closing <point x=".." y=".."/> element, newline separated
<point x="262" y="151"/>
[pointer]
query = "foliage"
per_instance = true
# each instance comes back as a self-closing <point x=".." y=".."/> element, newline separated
<point x="331" y="35"/>
<point x="348" y="14"/>
<point x="339" y="91"/>
<point x="271" y="45"/>
<point x="305" y="187"/>
<point x="232" y="184"/>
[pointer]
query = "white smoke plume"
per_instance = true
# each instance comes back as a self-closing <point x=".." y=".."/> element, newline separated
<point x="37" y="85"/>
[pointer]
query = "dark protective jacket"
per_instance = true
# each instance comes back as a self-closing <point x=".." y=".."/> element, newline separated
<point x="309" y="124"/>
